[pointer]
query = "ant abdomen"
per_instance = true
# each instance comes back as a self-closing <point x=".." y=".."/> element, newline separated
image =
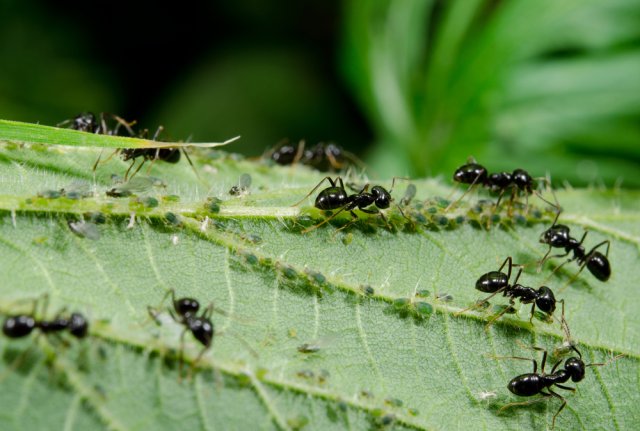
<point x="599" y="266"/>
<point x="18" y="326"/>
<point x="492" y="281"/>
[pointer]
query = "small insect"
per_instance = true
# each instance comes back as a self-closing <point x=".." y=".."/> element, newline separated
<point x="242" y="187"/>
<point x="336" y="197"/>
<point x="84" y="229"/>
<point x="21" y="325"/>
<point x="517" y="181"/>
<point x="558" y="236"/>
<point x="496" y="282"/>
<point x="169" y="153"/>
<point x="185" y="312"/>
<point x="309" y="348"/>
<point x="530" y="384"/>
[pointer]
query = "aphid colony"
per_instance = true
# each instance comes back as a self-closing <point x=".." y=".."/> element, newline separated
<point x="371" y="200"/>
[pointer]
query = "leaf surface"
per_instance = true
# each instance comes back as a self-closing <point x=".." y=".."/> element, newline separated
<point x="380" y="351"/>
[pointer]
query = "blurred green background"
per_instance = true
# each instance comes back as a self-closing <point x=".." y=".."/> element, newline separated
<point x="413" y="87"/>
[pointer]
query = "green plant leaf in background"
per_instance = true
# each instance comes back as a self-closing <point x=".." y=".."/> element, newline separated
<point x="549" y="85"/>
<point x="375" y="307"/>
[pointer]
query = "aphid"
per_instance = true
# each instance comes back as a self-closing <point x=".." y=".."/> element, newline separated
<point x="496" y="282"/>
<point x="185" y="312"/>
<point x="243" y="186"/>
<point x="517" y="181"/>
<point x="21" y="325"/>
<point x="336" y="197"/>
<point x="84" y="229"/>
<point x="558" y="236"/>
<point x="135" y="186"/>
<point x="309" y="348"/>
<point x="409" y="194"/>
<point x="530" y="384"/>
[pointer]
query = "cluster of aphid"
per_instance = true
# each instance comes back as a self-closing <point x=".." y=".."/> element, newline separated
<point x="370" y="200"/>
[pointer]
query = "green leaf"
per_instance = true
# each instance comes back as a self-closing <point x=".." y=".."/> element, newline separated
<point x="332" y="329"/>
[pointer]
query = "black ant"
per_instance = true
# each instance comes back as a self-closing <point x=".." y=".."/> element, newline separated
<point x="185" y="312"/>
<point x="558" y="236"/>
<point x="322" y="156"/>
<point x="519" y="180"/>
<point x="88" y="122"/>
<point x="329" y="157"/>
<point x="336" y="197"/>
<point x="496" y="282"/>
<point x="21" y="325"/>
<point x="530" y="384"/>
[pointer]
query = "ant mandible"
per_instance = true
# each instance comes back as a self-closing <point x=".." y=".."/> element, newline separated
<point x="519" y="180"/>
<point x="336" y="197"/>
<point x="530" y="384"/>
<point x="558" y="236"/>
<point x="21" y="325"/>
<point x="185" y="312"/>
<point x="496" y="282"/>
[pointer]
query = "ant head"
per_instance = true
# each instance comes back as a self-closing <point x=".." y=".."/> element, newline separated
<point x="186" y="306"/>
<point x="18" y="326"/>
<point x="576" y="368"/>
<point x="383" y="197"/>
<point x="522" y="179"/>
<point x="202" y="330"/>
<point x="556" y="236"/>
<point x="85" y="122"/>
<point x="78" y="325"/>
<point x="546" y="301"/>
<point x="471" y="173"/>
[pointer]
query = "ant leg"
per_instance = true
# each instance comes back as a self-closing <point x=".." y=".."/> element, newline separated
<point x="196" y="360"/>
<point x="122" y="122"/>
<point x="137" y="169"/>
<point x="332" y="182"/>
<point x="508" y="260"/>
<point x="186" y="154"/>
<point x="555" y="367"/>
<point x="547" y="182"/>
<point x="566" y="388"/>
<point x="564" y="403"/>
<point x="479" y="303"/>
<point x="126" y="174"/>
<point x="156" y="156"/>
<point x="533" y="309"/>
<point x="158" y="131"/>
<point x="499" y="315"/>
<point x="181" y="355"/>
<point x="598" y="246"/>
<point x="332" y="216"/>
<point x="471" y="187"/>
<point x="206" y="314"/>
<point x="299" y="152"/>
